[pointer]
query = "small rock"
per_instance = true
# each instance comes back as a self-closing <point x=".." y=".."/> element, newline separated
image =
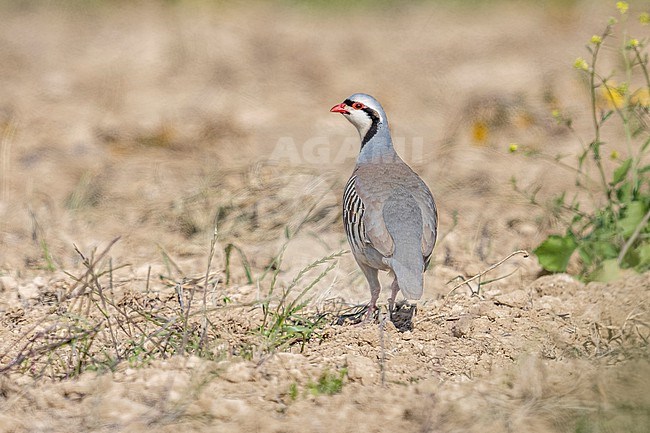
<point x="39" y="282"/>
<point x="496" y="313"/>
<point x="592" y="313"/>
<point x="457" y="310"/>
<point x="28" y="291"/>
<point x="193" y="363"/>
<point x="77" y="389"/>
<point x="238" y="372"/>
<point x="528" y="229"/>
<point x="516" y="299"/>
<point x="293" y="364"/>
<point x="462" y="327"/>
<point x="361" y="369"/>
<point x="290" y="360"/>
<point x="228" y="408"/>
<point x="8" y="283"/>
<point x="116" y="409"/>
<point x="552" y="303"/>
<point x="556" y="285"/>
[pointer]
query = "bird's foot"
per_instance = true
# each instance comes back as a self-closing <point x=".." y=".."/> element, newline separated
<point x="391" y="308"/>
<point x="402" y="315"/>
<point x="356" y="316"/>
<point x="370" y="315"/>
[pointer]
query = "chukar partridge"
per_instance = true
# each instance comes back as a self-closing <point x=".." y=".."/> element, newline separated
<point x="389" y="214"/>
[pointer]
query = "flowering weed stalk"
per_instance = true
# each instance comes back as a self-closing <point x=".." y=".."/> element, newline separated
<point x="616" y="234"/>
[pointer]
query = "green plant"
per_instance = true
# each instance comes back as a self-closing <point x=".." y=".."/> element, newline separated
<point x="328" y="383"/>
<point x="38" y="233"/>
<point x="613" y="232"/>
<point x="286" y="320"/>
<point x="93" y="328"/>
<point x="247" y="267"/>
<point x="293" y="391"/>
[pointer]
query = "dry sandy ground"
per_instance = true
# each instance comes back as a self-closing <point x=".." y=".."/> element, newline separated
<point x="152" y="122"/>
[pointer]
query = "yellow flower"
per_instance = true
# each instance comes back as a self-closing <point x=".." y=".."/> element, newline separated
<point x="622" y="7"/>
<point x="641" y="97"/>
<point x="480" y="132"/>
<point x="581" y="64"/>
<point x="614" y="155"/>
<point x="633" y="43"/>
<point x="644" y="18"/>
<point x="596" y="40"/>
<point x="613" y="94"/>
<point x="513" y="147"/>
<point x="556" y="114"/>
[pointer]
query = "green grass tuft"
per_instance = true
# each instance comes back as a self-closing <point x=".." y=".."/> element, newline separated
<point x="328" y="383"/>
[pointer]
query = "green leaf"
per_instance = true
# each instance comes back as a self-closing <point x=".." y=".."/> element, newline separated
<point x="621" y="171"/>
<point x="606" y="115"/>
<point x="608" y="271"/>
<point x="554" y="253"/>
<point x="634" y="213"/>
<point x="597" y="250"/>
<point x="645" y="145"/>
<point x="586" y="256"/>
<point x="644" y="169"/>
<point x="643" y="252"/>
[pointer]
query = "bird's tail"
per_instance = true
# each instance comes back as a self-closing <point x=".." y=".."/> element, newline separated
<point x="408" y="272"/>
<point x="403" y="219"/>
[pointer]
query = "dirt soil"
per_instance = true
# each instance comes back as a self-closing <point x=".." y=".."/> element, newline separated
<point x="174" y="125"/>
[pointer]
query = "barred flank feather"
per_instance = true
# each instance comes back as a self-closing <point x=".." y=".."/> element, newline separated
<point x="353" y="210"/>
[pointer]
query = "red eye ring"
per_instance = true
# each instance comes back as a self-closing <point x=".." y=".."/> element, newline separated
<point x="358" y="106"/>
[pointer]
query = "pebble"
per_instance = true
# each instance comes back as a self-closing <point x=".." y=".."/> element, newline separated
<point x="8" y="283"/>
<point x="361" y="369"/>
<point x="238" y="372"/>
<point x="291" y="363"/>
<point x="552" y="303"/>
<point x="228" y="408"/>
<point x="77" y="389"/>
<point x="116" y="409"/>
<point x="28" y="291"/>
<point x="462" y="327"/>
<point x="517" y="299"/>
<point x="457" y="310"/>
<point x="528" y="229"/>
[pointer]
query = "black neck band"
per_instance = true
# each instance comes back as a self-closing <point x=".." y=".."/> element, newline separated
<point x="373" y="127"/>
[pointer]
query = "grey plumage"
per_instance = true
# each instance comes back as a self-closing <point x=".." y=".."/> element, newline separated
<point x="389" y="214"/>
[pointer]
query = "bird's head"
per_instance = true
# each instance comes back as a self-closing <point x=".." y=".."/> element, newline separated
<point x="364" y="112"/>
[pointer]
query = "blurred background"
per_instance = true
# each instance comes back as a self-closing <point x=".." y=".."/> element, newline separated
<point x="151" y="120"/>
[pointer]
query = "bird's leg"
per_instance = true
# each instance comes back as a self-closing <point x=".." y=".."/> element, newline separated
<point x="394" y="289"/>
<point x="372" y="307"/>
<point x="375" y="289"/>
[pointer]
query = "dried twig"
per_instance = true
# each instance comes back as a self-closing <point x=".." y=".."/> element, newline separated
<point x="492" y="267"/>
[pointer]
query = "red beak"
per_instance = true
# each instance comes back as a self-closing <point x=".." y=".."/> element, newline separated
<point x="340" y="108"/>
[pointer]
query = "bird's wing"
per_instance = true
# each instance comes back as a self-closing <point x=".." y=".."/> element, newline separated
<point x="373" y="190"/>
<point x="429" y="219"/>
<point x="375" y="231"/>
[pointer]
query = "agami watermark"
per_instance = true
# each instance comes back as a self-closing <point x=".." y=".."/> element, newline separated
<point x="322" y="150"/>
